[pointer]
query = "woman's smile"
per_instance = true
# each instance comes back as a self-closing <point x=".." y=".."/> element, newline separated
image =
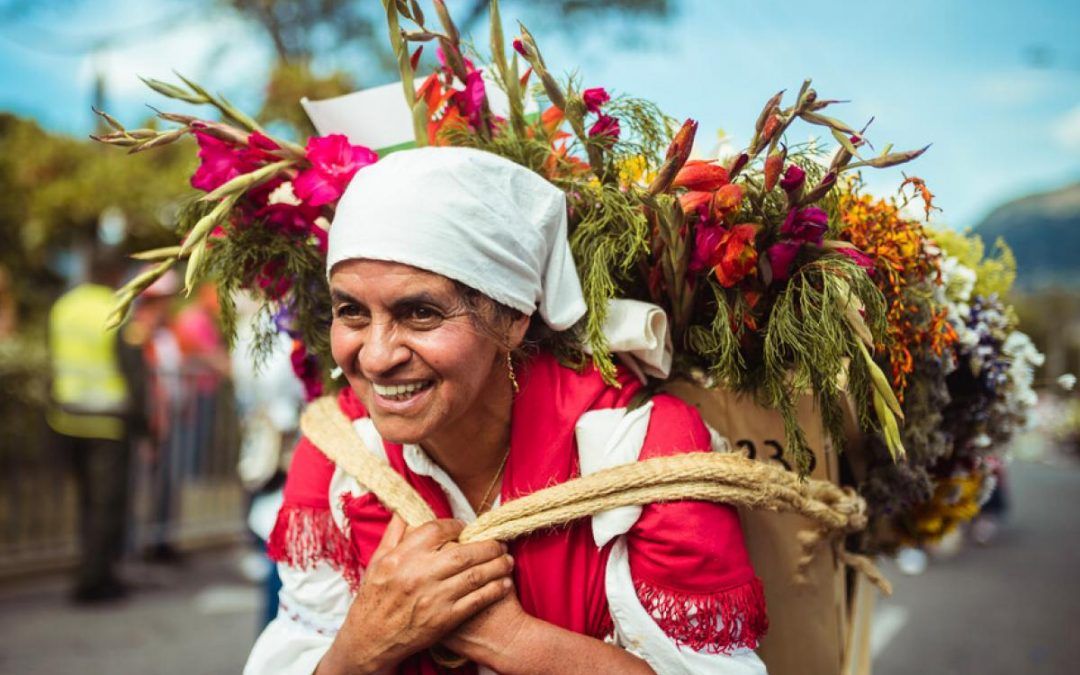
<point x="401" y="399"/>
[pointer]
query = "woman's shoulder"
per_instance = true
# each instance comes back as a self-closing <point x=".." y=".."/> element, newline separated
<point x="675" y="427"/>
<point x="310" y="471"/>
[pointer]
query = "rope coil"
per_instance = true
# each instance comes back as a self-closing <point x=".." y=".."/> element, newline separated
<point x="728" y="478"/>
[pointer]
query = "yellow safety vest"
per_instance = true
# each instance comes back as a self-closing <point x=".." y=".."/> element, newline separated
<point x="88" y="385"/>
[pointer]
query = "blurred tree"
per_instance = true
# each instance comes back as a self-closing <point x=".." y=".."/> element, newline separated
<point x="56" y="188"/>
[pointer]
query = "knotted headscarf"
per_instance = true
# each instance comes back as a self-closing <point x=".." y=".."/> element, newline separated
<point x="468" y="215"/>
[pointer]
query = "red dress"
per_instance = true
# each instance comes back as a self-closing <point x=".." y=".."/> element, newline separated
<point x="689" y="566"/>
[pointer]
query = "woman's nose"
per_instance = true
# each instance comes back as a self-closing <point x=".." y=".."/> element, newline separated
<point x="382" y="351"/>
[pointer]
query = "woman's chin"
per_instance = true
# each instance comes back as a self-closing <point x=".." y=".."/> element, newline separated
<point x="401" y="431"/>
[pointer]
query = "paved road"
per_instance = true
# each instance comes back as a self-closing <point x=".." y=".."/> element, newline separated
<point x="1010" y="608"/>
<point x="197" y="619"/>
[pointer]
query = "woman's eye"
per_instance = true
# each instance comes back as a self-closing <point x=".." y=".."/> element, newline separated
<point x="347" y="311"/>
<point x="424" y="316"/>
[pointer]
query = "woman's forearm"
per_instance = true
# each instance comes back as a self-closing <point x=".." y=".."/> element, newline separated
<point x="540" y="648"/>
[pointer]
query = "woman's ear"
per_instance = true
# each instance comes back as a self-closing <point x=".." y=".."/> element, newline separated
<point x="516" y="333"/>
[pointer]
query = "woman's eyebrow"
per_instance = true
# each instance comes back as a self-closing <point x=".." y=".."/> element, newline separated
<point x="341" y="296"/>
<point x="419" y="298"/>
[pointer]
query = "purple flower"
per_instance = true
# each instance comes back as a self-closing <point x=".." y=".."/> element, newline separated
<point x="781" y="256"/>
<point x="864" y="261"/>
<point x="793" y="179"/>
<point x="806" y="225"/>
<point x="595" y="98"/>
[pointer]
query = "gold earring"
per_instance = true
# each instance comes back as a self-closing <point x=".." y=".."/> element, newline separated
<point x="510" y="371"/>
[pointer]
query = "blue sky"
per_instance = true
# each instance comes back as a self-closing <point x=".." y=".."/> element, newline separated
<point x="994" y="85"/>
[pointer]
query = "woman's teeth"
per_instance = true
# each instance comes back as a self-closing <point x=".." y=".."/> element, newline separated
<point x="400" y="392"/>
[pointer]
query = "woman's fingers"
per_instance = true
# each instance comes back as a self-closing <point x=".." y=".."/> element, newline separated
<point x="433" y="534"/>
<point x="455" y="558"/>
<point x="480" y="599"/>
<point x="395" y="531"/>
<point x="478" y="576"/>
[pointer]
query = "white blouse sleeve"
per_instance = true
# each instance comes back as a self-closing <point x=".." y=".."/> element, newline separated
<point x="608" y="438"/>
<point x="312" y="606"/>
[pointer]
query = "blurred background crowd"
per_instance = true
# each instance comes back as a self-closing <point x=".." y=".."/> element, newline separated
<point x="160" y="447"/>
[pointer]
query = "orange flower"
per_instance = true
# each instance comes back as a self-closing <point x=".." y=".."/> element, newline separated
<point x="726" y="201"/>
<point x="551" y="119"/>
<point x="904" y="264"/>
<point x="735" y="256"/>
<point x="698" y="175"/>
<point x="693" y="202"/>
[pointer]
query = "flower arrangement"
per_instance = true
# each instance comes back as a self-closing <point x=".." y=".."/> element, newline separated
<point x="969" y="387"/>
<point x="742" y="252"/>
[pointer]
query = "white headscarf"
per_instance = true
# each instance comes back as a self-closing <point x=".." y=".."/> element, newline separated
<point x="468" y="215"/>
<point x="493" y="225"/>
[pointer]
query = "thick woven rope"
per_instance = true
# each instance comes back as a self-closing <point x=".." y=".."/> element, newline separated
<point x="728" y="478"/>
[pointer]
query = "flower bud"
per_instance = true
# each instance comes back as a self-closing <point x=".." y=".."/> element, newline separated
<point x="773" y="164"/>
<point x="700" y="175"/>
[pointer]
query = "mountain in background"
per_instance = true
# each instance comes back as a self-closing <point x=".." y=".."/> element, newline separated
<point x="1043" y="231"/>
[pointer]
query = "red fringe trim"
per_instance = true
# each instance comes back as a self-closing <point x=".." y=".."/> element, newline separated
<point x="303" y="536"/>
<point x="714" y="623"/>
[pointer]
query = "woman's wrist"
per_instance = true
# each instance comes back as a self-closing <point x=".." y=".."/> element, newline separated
<point x="347" y="659"/>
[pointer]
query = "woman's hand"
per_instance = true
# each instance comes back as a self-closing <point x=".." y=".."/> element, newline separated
<point x="419" y="586"/>
<point x="491" y="633"/>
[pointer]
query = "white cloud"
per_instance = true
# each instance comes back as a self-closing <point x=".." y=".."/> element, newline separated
<point x="1067" y="129"/>
<point x="215" y="52"/>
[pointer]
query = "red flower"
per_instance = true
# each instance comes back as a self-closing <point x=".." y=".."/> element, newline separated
<point x="695" y="203"/>
<point x="706" y="239"/>
<point x="735" y="256"/>
<point x="334" y="162"/>
<point x="701" y="175"/>
<point x="726" y="201"/>
<point x="606" y="127"/>
<point x="595" y="98"/>
<point x="781" y="256"/>
<point x="806" y="225"/>
<point x="793" y="179"/>
<point x="272" y="280"/>
<point x="306" y="368"/>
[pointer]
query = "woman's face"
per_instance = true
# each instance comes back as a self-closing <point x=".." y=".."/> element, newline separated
<point x="409" y="348"/>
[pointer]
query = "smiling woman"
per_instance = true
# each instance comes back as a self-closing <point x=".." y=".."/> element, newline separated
<point x="439" y="261"/>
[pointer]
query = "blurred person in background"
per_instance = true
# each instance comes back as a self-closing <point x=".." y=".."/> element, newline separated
<point x="97" y="382"/>
<point x="151" y="329"/>
<point x="269" y="398"/>
<point x="204" y="365"/>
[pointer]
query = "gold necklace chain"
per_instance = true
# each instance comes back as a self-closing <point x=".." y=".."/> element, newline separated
<point x="484" y="502"/>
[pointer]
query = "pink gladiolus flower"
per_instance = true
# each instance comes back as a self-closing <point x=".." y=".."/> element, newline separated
<point x="470" y="101"/>
<point x="334" y="162"/>
<point x="806" y="225"/>
<point x="606" y="127"/>
<point x="706" y="240"/>
<point x="793" y="179"/>
<point x="519" y="47"/>
<point x="221" y="162"/>
<point x="781" y="256"/>
<point x="863" y="260"/>
<point x="595" y="98"/>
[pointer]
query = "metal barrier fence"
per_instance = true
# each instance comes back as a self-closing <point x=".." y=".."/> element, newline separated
<point x="183" y="487"/>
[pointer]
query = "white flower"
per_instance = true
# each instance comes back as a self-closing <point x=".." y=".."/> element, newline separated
<point x="283" y="194"/>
